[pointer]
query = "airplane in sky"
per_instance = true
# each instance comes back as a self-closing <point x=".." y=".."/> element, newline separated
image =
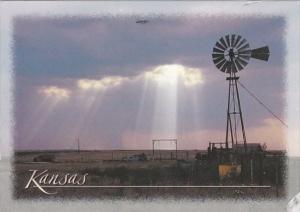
<point x="142" y="21"/>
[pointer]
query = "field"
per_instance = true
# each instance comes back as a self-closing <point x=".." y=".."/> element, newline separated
<point x="117" y="168"/>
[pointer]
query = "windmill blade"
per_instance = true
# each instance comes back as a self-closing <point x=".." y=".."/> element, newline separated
<point x="233" y="67"/>
<point x="223" y="42"/>
<point x="220" y="46"/>
<point x="229" y="67"/>
<point x="215" y="50"/>
<point x="237" y="40"/>
<point x="224" y="67"/>
<point x="244" y="63"/>
<point x="245" y="54"/>
<point x="246" y="46"/>
<point x="227" y="40"/>
<point x="238" y="65"/>
<point x="241" y="43"/>
<point x="245" y="57"/>
<point x="219" y="65"/>
<point x="215" y="55"/>
<point x="232" y="40"/>
<point x="261" y="53"/>
<point x="218" y="59"/>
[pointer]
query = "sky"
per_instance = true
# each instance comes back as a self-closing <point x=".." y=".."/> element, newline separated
<point x="116" y="84"/>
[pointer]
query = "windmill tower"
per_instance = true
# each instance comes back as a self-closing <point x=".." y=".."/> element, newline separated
<point x="231" y="54"/>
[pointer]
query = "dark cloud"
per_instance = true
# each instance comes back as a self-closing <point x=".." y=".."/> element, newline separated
<point x="89" y="47"/>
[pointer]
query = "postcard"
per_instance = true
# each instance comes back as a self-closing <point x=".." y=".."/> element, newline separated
<point x="150" y="106"/>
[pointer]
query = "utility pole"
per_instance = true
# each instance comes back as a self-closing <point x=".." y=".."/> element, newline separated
<point x="78" y="145"/>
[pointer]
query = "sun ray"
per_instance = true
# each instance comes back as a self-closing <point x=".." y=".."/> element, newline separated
<point x="141" y="111"/>
<point x="164" y="123"/>
<point x="40" y="117"/>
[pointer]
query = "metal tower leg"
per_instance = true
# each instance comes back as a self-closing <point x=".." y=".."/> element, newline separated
<point x="228" y="115"/>
<point x="234" y="112"/>
<point x="241" y="116"/>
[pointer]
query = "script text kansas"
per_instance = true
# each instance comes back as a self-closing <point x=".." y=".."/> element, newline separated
<point x="44" y="179"/>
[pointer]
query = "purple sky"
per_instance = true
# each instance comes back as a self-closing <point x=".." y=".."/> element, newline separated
<point x="102" y="80"/>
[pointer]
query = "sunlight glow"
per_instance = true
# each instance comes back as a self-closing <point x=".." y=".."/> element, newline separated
<point x="168" y="79"/>
<point x="102" y="84"/>
<point x="171" y="74"/>
<point x="54" y="91"/>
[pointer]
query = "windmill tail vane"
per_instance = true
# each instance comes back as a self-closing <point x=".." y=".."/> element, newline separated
<point x="261" y="53"/>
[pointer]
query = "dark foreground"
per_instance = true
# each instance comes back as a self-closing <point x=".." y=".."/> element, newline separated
<point x="105" y="168"/>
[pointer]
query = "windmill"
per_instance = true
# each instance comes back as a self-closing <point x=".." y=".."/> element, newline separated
<point x="231" y="54"/>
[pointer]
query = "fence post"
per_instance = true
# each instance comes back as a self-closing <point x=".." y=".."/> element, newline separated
<point x="277" y="186"/>
<point x="153" y="149"/>
<point x="251" y="170"/>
